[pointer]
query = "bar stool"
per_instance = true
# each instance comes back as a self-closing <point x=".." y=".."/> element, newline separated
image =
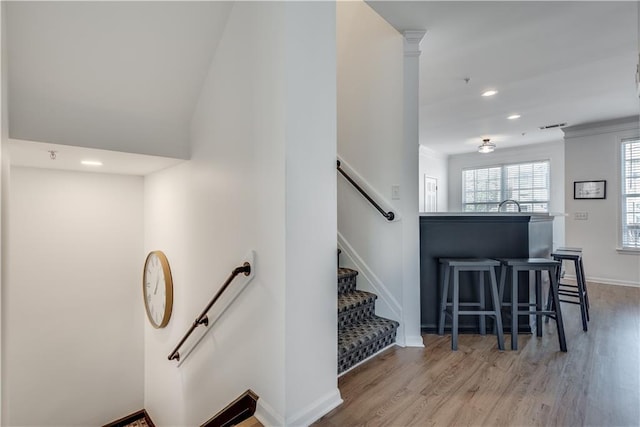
<point x="538" y="265"/>
<point x="451" y="273"/>
<point x="579" y="290"/>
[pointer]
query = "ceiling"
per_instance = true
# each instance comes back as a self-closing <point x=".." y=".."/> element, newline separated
<point x="551" y="62"/>
<point x="38" y="155"/>
<point x="121" y="75"/>
<point x="125" y="76"/>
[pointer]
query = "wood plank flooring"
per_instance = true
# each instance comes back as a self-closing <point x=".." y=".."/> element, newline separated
<point x="597" y="383"/>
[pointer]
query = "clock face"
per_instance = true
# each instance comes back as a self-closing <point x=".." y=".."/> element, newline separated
<point x="157" y="288"/>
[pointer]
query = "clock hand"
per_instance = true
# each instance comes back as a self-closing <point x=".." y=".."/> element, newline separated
<point x="156" y="288"/>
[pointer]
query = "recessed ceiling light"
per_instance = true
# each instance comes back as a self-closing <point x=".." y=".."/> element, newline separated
<point x="489" y="92"/>
<point x="514" y="116"/>
<point x="91" y="162"/>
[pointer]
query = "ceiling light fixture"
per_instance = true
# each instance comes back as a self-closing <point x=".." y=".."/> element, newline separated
<point x="486" y="147"/>
<point x="91" y="163"/>
<point x="490" y="92"/>
<point x="514" y="116"/>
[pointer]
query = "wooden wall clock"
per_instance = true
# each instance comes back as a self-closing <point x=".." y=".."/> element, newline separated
<point x="157" y="288"/>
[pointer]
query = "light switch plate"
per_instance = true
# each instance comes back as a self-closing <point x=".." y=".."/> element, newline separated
<point x="395" y="192"/>
<point x="581" y="216"/>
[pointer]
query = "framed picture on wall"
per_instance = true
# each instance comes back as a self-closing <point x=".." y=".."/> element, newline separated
<point x="590" y="189"/>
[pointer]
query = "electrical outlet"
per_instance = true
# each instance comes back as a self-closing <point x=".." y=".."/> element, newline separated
<point x="581" y="216"/>
<point x="395" y="192"/>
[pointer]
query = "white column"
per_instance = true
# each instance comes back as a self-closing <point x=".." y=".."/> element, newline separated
<point x="410" y="156"/>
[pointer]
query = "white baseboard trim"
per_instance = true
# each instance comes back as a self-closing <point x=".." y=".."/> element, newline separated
<point x="316" y="410"/>
<point x="606" y="281"/>
<point x="367" y="359"/>
<point x="414" y="341"/>
<point x="267" y="415"/>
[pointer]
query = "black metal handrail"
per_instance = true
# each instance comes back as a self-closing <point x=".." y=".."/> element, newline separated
<point x="203" y="319"/>
<point x="389" y="215"/>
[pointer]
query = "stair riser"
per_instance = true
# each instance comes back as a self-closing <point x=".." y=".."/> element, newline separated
<point x="355" y="315"/>
<point x="347" y="284"/>
<point x="352" y="358"/>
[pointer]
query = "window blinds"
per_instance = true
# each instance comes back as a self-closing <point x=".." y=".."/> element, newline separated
<point x="527" y="183"/>
<point x="631" y="193"/>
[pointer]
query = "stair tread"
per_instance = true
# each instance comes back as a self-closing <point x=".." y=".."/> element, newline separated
<point x="344" y="272"/>
<point x="362" y="333"/>
<point x="250" y="422"/>
<point x="354" y="299"/>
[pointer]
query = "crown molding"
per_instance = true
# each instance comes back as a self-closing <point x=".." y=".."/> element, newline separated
<point x="602" y="127"/>
<point x="412" y="39"/>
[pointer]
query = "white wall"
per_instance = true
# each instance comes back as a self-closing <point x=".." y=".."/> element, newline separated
<point x="4" y="183"/>
<point x="593" y="153"/>
<point x="261" y="177"/>
<point x="311" y="223"/>
<point x="370" y="140"/>
<point x="554" y="152"/>
<point x="434" y="165"/>
<point x="72" y="305"/>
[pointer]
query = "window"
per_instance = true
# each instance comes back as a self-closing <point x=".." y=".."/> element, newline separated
<point x="631" y="193"/>
<point x="527" y="183"/>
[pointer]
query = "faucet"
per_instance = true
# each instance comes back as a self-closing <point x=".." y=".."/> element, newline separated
<point x="504" y="202"/>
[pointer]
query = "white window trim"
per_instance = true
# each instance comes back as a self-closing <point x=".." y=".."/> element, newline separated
<point x="502" y="165"/>
<point x="621" y="248"/>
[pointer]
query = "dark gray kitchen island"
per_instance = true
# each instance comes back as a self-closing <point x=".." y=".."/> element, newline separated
<point x="473" y="235"/>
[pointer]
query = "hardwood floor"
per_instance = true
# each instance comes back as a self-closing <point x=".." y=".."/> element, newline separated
<point x="596" y="383"/>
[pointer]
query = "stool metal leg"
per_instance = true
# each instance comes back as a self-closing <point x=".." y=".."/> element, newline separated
<point x="584" y="283"/>
<point x="582" y="286"/>
<point x="456" y="297"/>
<point x="558" y="311"/>
<point x="443" y="304"/>
<point x="549" y="306"/>
<point x="538" y="302"/>
<point x="483" y="306"/>
<point x="497" y="307"/>
<point x="503" y="276"/>
<point x="514" y="309"/>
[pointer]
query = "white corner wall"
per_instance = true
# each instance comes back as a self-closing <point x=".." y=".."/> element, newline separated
<point x="72" y="306"/>
<point x="371" y="142"/>
<point x="262" y="178"/>
<point x="435" y="165"/>
<point x="553" y="151"/>
<point x="593" y="153"/>
<point x="311" y="326"/>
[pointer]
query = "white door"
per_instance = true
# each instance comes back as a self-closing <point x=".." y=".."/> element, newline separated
<point x="430" y="194"/>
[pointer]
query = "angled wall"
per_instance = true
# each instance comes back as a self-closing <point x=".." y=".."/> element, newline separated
<point x="261" y="177"/>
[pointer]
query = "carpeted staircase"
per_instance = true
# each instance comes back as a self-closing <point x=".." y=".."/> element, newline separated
<point x="360" y="332"/>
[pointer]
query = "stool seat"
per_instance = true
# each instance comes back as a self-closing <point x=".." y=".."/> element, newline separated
<point x="530" y="262"/>
<point x="451" y="268"/>
<point x="569" y="255"/>
<point x="470" y="262"/>
<point x="537" y="265"/>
